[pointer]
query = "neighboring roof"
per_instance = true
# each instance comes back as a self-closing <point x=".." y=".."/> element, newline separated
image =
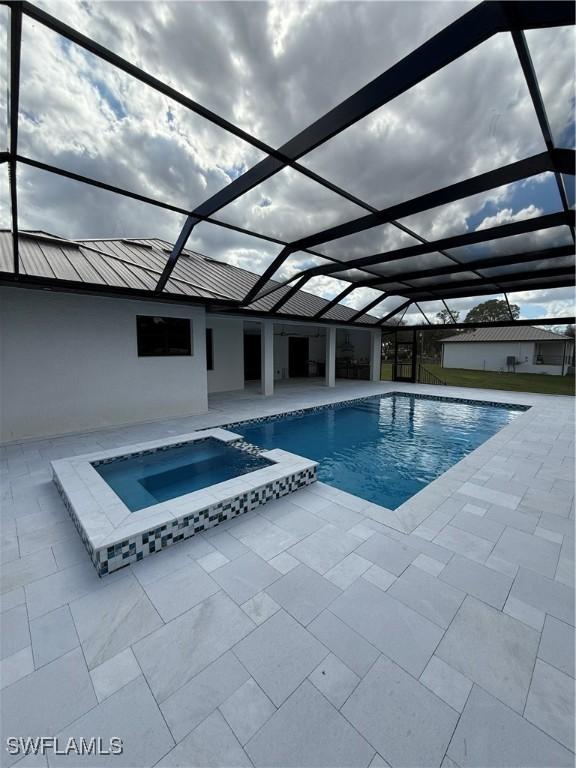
<point x="508" y="333"/>
<point x="136" y="264"/>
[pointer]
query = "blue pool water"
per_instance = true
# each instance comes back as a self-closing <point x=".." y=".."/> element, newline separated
<point x="384" y="449"/>
<point x="147" y="479"/>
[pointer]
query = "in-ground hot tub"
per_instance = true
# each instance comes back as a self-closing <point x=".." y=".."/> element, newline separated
<point x="129" y="503"/>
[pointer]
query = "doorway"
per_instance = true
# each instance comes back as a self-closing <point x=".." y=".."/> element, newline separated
<point x="405" y="357"/>
<point x="252" y="359"/>
<point x="298" y="356"/>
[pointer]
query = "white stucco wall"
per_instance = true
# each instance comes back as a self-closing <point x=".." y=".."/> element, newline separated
<point x="491" y="356"/>
<point x="228" y="344"/>
<point x="70" y="363"/>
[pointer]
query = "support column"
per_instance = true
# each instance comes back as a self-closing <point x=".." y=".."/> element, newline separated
<point x="330" y="356"/>
<point x="267" y="358"/>
<point x="375" y="354"/>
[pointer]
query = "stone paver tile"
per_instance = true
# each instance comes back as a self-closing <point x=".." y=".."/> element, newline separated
<point x="46" y="700"/>
<point x="324" y="548"/>
<point x="557" y="645"/>
<point x="378" y="762"/>
<point x="12" y="599"/>
<point x="131" y="714"/>
<point x="483" y="493"/>
<point x="356" y="652"/>
<point x="492" y="649"/>
<point x="544" y="533"/>
<point x="387" y="553"/>
<point x="312" y="502"/>
<point x="14" y="667"/>
<point x="26" y="570"/>
<point x="53" y="635"/>
<point x="162" y="564"/>
<point x="429" y="564"/>
<point x="379" y="577"/>
<point x="230" y="546"/>
<point x="303" y="593"/>
<point x="484" y="583"/>
<point x="180" y="590"/>
<point x="340" y="515"/>
<point x="260" y="607"/>
<point x="59" y="588"/>
<point x="245" y="577"/>
<point x="396" y="630"/>
<point x="550" y="703"/>
<point x="333" y="678"/>
<point x="546" y="594"/>
<point x="199" y="697"/>
<point x="212" y="560"/>
<point x="308" y="731"/>
<point x="293" y="519"/>
<point x="485" y="528"/>
<point x="284" y="562"/>
<point x="491" y="735"/>
<point x="112" y="618"/>
<point x="474" y="509"/>
<point x="447" y="683"/>
<point x="247" y="710"/>
<point x="557" y="524"/>
<point x="270" y="541"/>
<point x="194" y="639"/>
<point x="427" y="595"/>
<point x="15" y="634"/>
<point x="348" y="570"/>
<point x="529" y="551"/>
<point x="406" y="723"/>
<point x="36" y="539"/>
<point x="523" y="520"/>
<point x="114" y="674"/>
<point x="71" y="552"/>
<point x="362" y="531"/>
<point x="463" y="543"/>
<point x="525" y="613"/>
<point x="279" y="655"/>
<point x="211" y="745"/>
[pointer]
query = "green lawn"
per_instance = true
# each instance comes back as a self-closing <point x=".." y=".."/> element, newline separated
<point x="516" y="382"/>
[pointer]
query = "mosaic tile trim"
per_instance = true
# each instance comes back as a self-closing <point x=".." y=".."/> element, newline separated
<point x="354" y="401"/>
<point x="133" y="549"/>
<point x="113" y="554"/>
<point x="149" y="451"/>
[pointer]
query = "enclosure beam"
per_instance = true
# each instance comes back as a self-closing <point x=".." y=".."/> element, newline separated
<point x="338" y="298"/>
<point x="484" y="182"/>
<point x="375" y="354"/>
<point x="331" y="356"/>
<point x="298" y="285"/>
<point x="394" y="312"/>
<point x="267" y="358"/>
<point x="14" y="105"/>
<point x="479" y="264"/>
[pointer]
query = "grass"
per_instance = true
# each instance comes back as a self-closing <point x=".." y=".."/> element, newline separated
<point x="514" y="382"/>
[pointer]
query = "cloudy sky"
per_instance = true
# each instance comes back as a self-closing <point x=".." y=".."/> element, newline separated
<point x="273" y="68"/>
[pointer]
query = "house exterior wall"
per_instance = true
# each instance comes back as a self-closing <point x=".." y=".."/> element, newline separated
<point x="69" y="363"/>
<point x="491" y="356"/>
<point x="228" y="346"/>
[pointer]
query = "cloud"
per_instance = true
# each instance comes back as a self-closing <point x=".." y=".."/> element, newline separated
<point x="507" y="216"/>
<point x="273" y="68"/>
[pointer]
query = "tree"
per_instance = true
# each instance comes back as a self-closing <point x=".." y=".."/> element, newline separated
<point x="570" y="331"/>
<point x="445" y="316"/>
<point x="492" y="311"/>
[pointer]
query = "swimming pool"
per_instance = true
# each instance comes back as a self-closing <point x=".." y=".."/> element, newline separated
<point x="384" y="449"/>
<point x="143" y="480"/>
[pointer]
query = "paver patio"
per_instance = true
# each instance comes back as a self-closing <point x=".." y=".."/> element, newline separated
<point x="309" y="632"/>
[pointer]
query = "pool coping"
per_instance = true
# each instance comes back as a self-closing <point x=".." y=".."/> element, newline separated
<point x="115" y="536"/>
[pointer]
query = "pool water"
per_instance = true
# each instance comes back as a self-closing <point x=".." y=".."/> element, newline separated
<point x="146" y="479"/>
<point x="384" y="449"/>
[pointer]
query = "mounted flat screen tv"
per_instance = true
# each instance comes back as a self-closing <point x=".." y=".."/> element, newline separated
<point x="163" y="336"/>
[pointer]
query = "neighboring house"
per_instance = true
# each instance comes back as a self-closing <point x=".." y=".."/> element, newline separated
<point x="523" y="349"/>
<point x="116" y="353"/>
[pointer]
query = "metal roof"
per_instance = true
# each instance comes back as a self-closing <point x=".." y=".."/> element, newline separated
<point x="508" y="333"/>
<point x="136" y="264"/>
<point x="420" y="270"/>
